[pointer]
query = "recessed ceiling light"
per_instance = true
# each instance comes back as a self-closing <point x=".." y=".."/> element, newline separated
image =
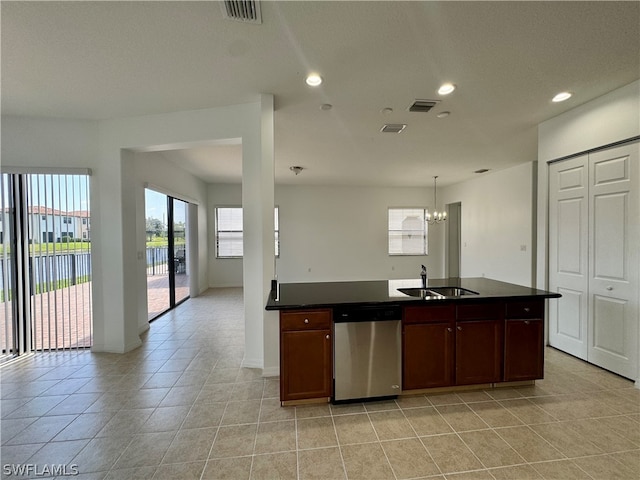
<point x="313" y="80"/>
<point x="561" y="97"/>
<point x="443" y="114"/>
<point x="446" y="88"/>
<point x="386" y="110"/>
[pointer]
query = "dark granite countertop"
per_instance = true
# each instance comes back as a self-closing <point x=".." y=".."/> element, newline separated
<point x="377" y="292"/>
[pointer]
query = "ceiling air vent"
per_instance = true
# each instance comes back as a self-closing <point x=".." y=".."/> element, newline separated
<point x="393" y="127"/>
<point x="247" y="11"/>
<point x="423" y="105"/>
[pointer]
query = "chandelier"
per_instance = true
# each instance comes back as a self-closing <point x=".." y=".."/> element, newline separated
<point x="436" y="216"/>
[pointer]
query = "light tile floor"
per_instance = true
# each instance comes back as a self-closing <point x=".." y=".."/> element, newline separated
<point x="181" y="407"/>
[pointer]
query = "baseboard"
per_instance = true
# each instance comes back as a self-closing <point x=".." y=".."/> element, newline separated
<point x="252" y="363"/>
<point x="271" y="372"/>
<point x="127" y="348"/>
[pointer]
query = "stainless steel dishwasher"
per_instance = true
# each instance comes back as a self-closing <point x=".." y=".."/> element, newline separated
<point x="367" y="361"/>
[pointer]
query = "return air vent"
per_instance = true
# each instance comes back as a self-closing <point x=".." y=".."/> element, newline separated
<point x="393" y="127"/>
<point x="423" y="105"/>
<point x="247" y="11"/>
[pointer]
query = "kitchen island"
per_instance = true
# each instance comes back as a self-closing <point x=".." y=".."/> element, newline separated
<point x="482" y="333"/>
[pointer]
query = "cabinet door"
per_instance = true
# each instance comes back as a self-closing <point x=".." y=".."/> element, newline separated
<point x="524" y="350"/>
<point x="427" y="355"/>
<point x="305" y="364"/>
<point x="478" y="352"/>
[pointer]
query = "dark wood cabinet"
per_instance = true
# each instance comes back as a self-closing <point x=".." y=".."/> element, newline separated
<point x="524" y="341"/>
<point x="478" y="352"/>
<point x="428" y="347"/>
<point x="305" y="354"/>
<point x="479" y="347"/>
<point x="443" y="344"/>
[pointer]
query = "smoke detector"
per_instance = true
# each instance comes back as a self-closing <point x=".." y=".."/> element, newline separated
<point x="423" y="106"/>
<point x="247" y="11"/>
<point x="393" y="127"/>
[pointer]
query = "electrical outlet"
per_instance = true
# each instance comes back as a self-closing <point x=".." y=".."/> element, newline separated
<point x="523" y="248"/>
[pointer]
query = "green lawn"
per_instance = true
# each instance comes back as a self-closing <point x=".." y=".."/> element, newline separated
<point x="49" y="248"/>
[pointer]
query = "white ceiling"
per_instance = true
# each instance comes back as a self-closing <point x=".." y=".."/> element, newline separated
<point x="97" y="60"/>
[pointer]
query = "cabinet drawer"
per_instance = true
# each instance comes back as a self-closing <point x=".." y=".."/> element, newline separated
<point x="479" y="311"/>
<point x="436" y="313"/>
<point x="305" y="319"/>
<point x="525" y="309"/>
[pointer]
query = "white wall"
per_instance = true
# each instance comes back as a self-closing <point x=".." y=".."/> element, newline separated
<point x="49" y="142"/>
<point x="340" y="233"/>
<point x="223" y="272"/>
<point x="497" y="222"/>
<point x="153" y="168"/>
<point x="607" y="119"/>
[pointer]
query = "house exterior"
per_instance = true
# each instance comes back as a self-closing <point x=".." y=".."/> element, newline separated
<point x="48" y="225"/>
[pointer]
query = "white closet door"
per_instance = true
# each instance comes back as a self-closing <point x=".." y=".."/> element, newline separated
<point x="613" y="263"/>
<point x="568" y="255"/>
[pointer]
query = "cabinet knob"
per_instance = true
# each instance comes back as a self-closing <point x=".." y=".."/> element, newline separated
<point x="527" y="309"/>
<point x="459" y="329"/>
<point x="327" y="337"/>
<point x="609" y="288"/>
<point x="306" y="320"/>
<point x="527" y="322"/>
<point x="449" y="329"/>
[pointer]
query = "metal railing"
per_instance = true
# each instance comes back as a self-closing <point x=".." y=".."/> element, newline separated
<point x="157" y="260"/>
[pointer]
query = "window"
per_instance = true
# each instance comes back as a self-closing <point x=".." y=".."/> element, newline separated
<point x="228" y="225"/>
<point x="407" y="231"/>
<point x="66" y="220"/>
<point x="229" y="232"/>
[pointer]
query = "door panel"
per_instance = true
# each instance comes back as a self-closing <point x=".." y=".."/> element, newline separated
<point x="609" y="234"/>
<point x="568" y="255"/>
<point x="572" y="313"/>
<point x="609" y="328"/>
<point x="613" y="266"/>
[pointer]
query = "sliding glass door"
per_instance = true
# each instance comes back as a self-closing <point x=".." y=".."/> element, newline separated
<point x="167" y="252"/>
<point x="181" y="270"/>
<point x="45" y="263"/>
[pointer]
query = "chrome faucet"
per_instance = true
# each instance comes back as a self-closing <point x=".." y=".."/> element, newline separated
<point x="423" y="275"/>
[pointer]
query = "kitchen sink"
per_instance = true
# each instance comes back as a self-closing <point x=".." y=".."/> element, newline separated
<point x="452" y="291"/>
<point x="420" y="292"/>
<point x="437" y="292"/>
